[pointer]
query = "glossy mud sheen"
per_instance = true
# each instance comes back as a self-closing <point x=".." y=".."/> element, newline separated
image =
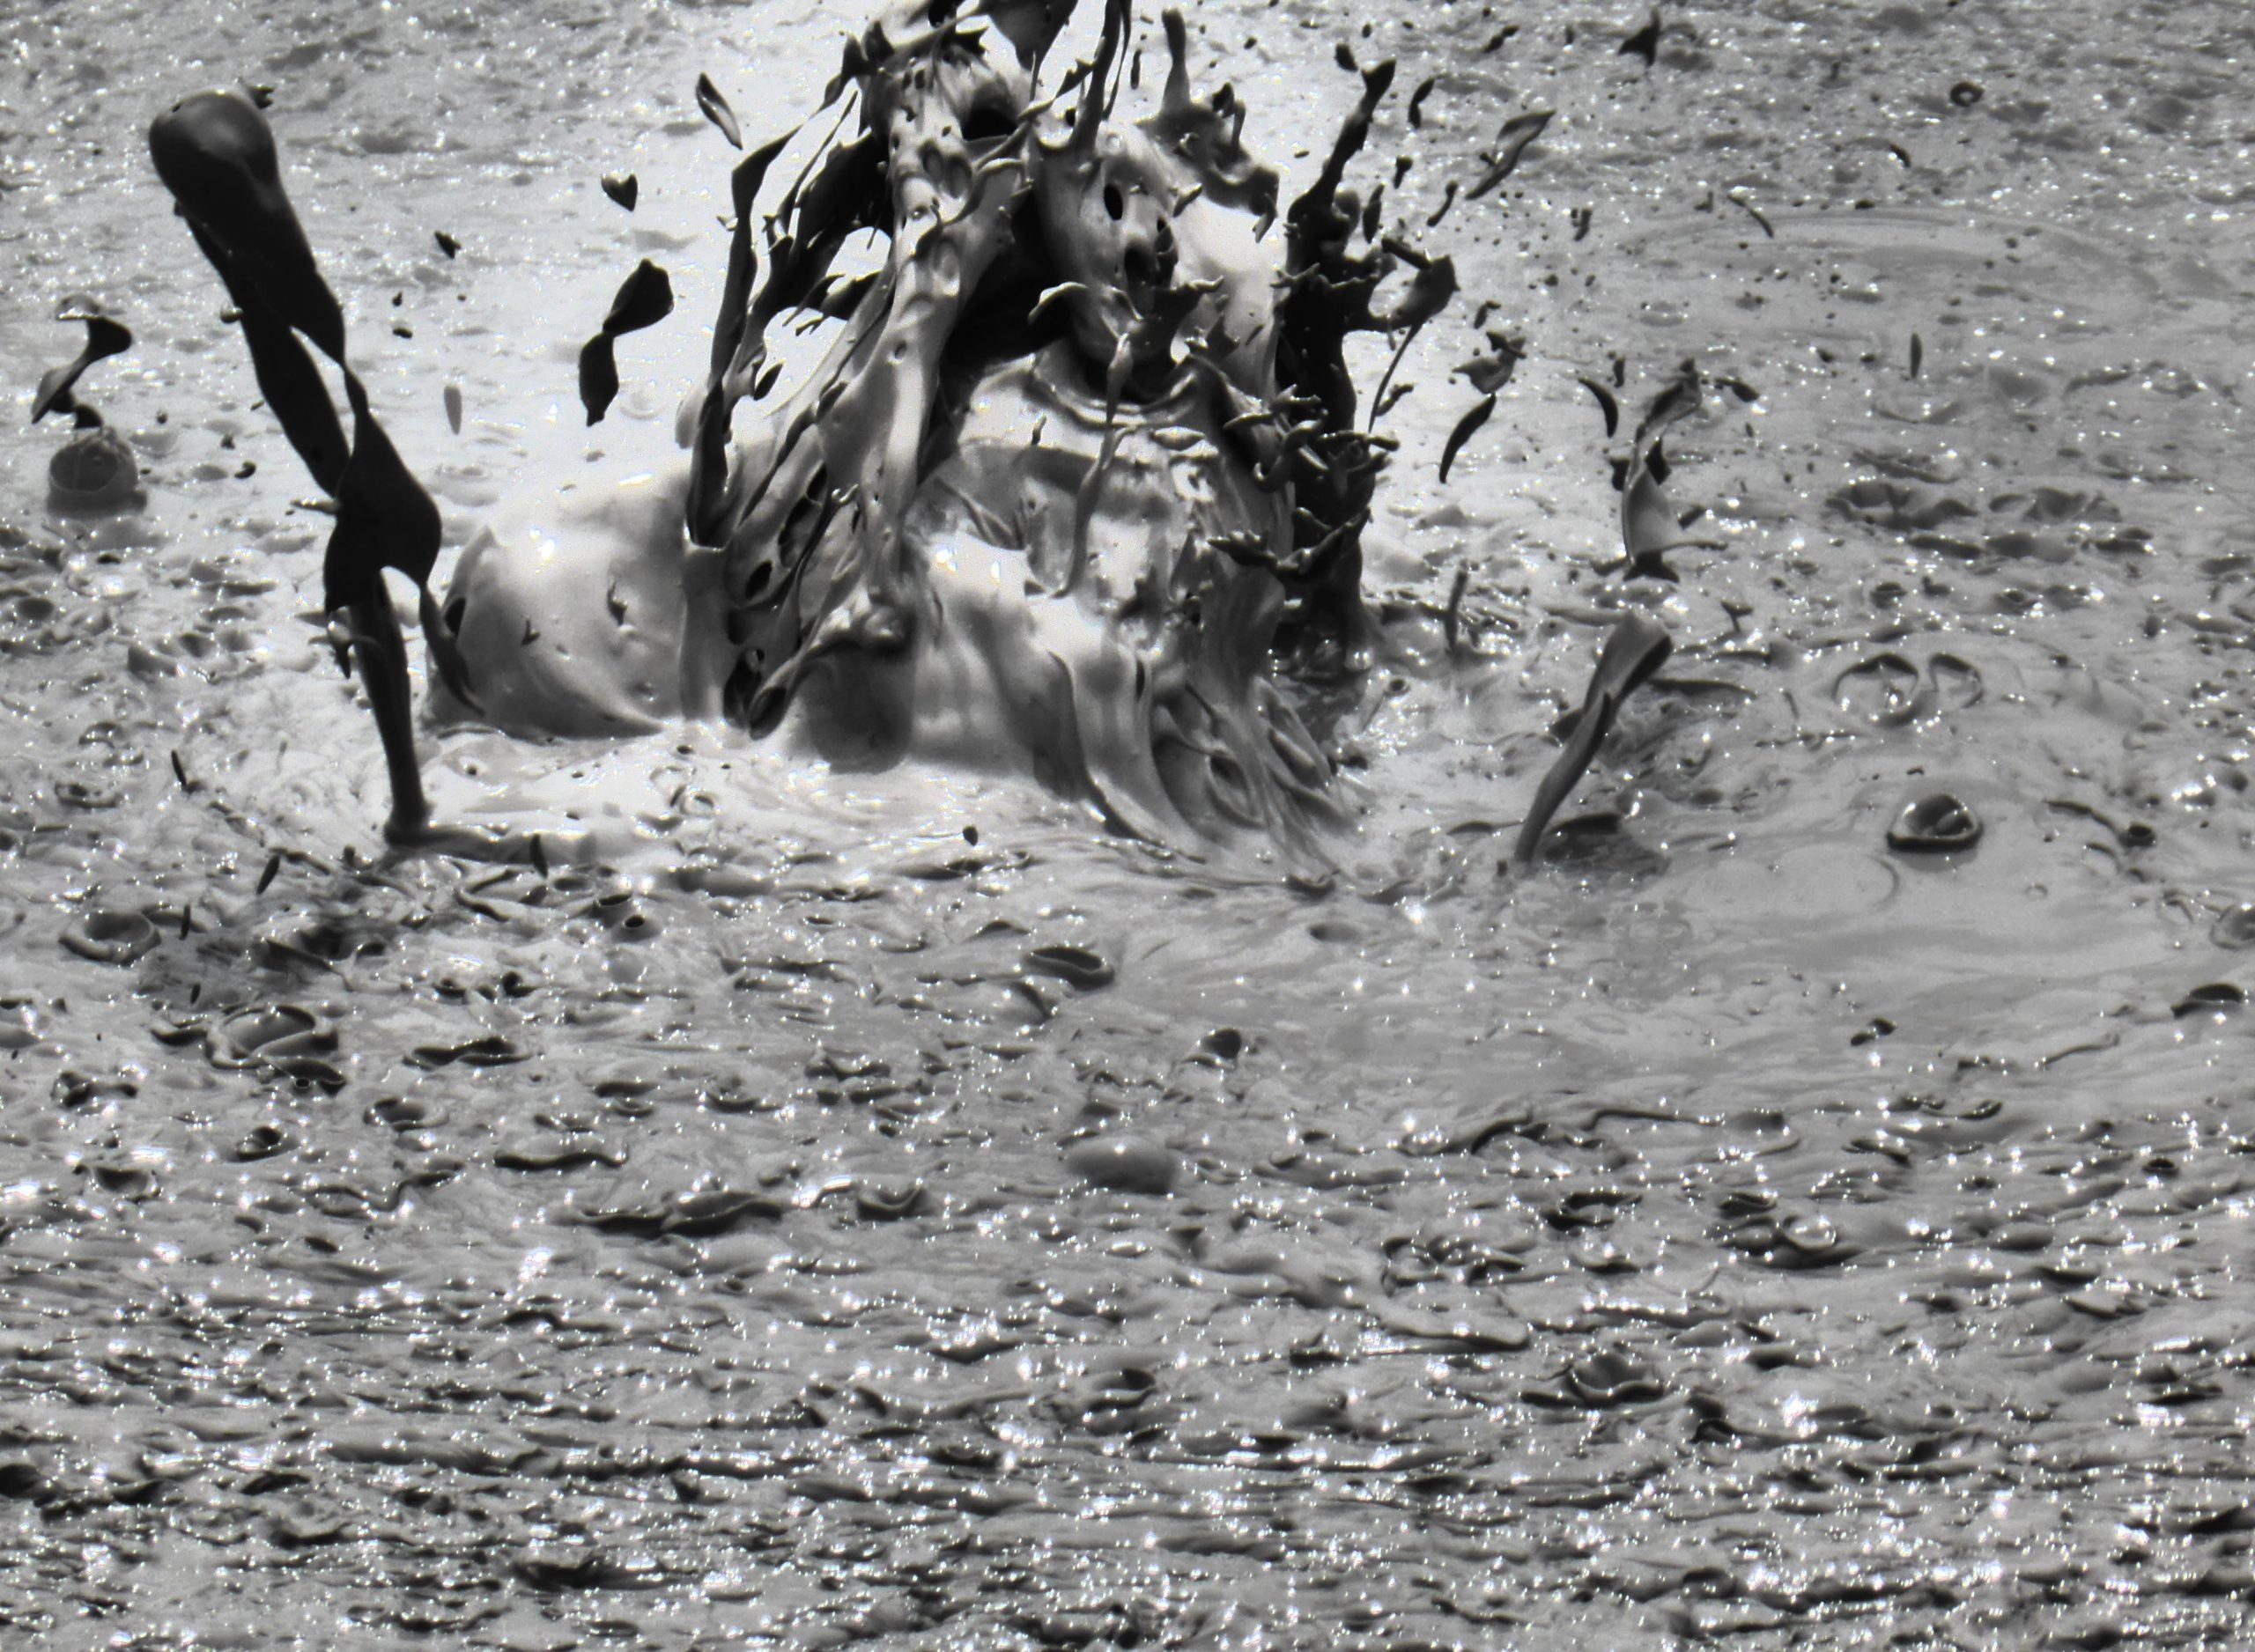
<point x="786" y="1220"/>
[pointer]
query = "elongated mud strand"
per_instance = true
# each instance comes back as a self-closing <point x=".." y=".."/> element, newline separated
<point x="1044" y="502"/>
<point x="104" y="337"/>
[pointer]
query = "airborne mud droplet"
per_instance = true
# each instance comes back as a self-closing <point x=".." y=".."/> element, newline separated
<point x="715" y="108"/>
<point x="1465" y="429"/>
<point x="1512" y="143"/>
<point x="643" y="299"/>
<point x="104" y="337"/>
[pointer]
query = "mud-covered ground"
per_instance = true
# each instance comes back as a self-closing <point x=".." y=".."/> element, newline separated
<point x="827" y="1208"/>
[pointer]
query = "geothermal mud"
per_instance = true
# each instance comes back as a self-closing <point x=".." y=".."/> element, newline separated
<point x="809" y="1207"/>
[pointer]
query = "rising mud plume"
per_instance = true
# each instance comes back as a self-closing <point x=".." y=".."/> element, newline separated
<point x="1081" y="450"/>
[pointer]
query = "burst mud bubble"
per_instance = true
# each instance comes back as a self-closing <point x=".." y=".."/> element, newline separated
<point x="1082" y="454"/>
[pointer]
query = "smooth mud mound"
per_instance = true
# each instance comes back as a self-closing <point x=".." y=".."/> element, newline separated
<point x="795" y="1205"/>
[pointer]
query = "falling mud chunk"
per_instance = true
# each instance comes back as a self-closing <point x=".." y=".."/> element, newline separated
<point x="448" y="244"/>
<point x="643" y="299"/>
<point x="1937" y="823"/>
<point x="598" y="377"/>
<point x="1651" y="526"/>
<point x="104" y="339"/>
<point x="623" y="188"/>
<point x="1510" y="142"/>
<point x="108" y="936"/>
<point x="1917" y="354"/>
<point x="1607" y="404"/>
<point x="1452" y="616"/>
<point x="1416" y="111"/>
<point x="452" y="397"/>
<point x="1465" y="427"/>
<point x="1636" y="650"/>
<point x="716" y="109"/>
<point x="1490" y="372"/>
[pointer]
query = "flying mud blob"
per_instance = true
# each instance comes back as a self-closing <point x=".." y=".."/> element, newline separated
<point x="1081" y="452"/>
<point x="104" y="339"/>
<point x="644" y="299"/>
<point x="94" y="471"/>
<point x="1637" y="647"/>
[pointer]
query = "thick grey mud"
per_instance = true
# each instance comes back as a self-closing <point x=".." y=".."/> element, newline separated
<point x="806" y="1206"/>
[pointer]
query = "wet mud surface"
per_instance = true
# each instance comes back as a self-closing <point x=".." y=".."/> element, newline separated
<point x="811" y="1208"/>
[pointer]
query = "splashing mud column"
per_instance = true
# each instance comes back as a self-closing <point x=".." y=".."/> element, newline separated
<point x="1033" y="509"/>
<point x="217" y="156"/>
<point x="1078" y="452"/>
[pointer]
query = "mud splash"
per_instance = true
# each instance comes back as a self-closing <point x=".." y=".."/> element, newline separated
<point x="772" y="1218"/>
<point x="1077" y="447"/>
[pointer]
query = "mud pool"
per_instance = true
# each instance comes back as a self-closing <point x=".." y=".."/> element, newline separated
<point x="825" y="1207"/>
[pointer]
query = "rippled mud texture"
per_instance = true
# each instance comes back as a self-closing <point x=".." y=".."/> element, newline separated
<point x="773" y="1218"/>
